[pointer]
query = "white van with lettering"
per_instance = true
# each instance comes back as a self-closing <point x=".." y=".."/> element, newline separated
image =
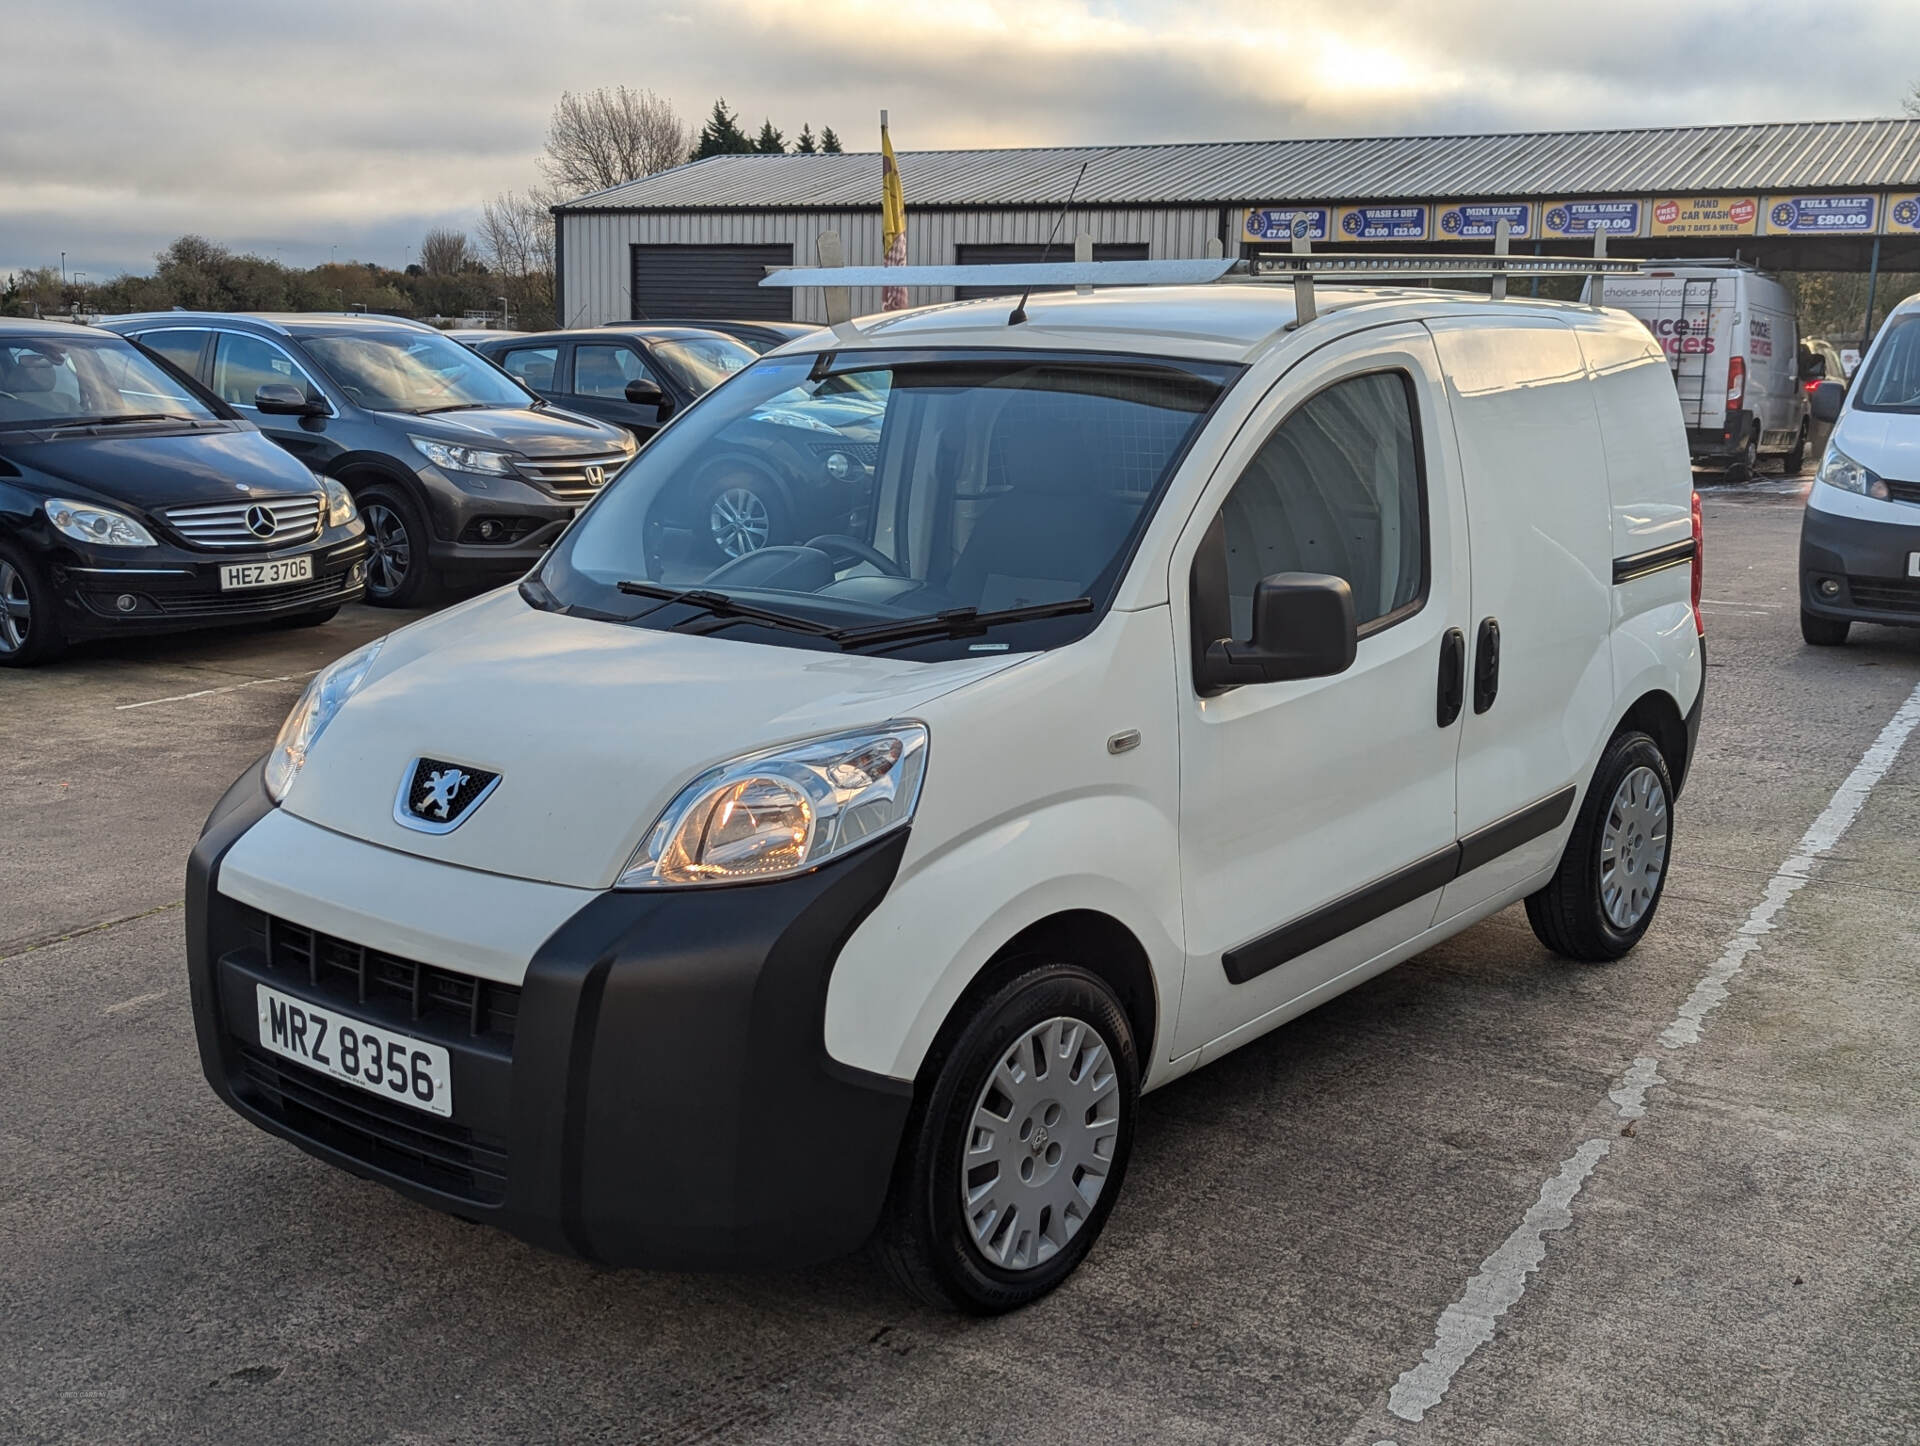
<point x="1731" y="342"/>
<point x="1178" y="664"/>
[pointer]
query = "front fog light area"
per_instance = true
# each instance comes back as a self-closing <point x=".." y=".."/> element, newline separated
<point x="784" y="811"/>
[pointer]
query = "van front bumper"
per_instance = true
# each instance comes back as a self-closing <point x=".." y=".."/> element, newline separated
<point x="657" y="1091"/>
<point x="1867" y="564"/>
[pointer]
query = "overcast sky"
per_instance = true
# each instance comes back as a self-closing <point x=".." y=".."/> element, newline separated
<point x="297" y="130"/>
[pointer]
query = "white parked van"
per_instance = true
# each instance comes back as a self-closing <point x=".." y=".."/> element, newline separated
<point x="1176" y="668"/>
<point x="1860" y="534"/>
<point x="1733" y="348"/>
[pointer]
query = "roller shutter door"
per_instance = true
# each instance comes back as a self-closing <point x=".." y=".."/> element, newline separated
<point x="722" y="282"/>
<point x="1010" y="255"/>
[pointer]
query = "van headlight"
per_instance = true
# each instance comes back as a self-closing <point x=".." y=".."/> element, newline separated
<point x="784" y="811"/>
<point x="330" y="688"/>
<point x="1837" y="469"/>
<point x="340" y="508"/>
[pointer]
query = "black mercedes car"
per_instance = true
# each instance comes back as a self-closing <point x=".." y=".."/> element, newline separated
<point x="133" y="501"/>
<point x="464" y="477"/>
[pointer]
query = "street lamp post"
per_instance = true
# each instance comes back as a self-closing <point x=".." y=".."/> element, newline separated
<point x="503" y="311"/>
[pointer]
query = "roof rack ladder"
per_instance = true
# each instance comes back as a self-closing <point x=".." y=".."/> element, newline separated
<point x="838" y="299"/>
<point x="1502" y="244"/>
<point x="1304" y="310"/>
<point x="1083" y="252"/>
<point x="1597" y="292"/>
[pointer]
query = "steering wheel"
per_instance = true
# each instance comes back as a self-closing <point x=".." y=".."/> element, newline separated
<point x="836" y="542"/>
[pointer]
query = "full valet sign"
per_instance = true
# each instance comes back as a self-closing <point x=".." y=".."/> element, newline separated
<point x="1820" y="215"/>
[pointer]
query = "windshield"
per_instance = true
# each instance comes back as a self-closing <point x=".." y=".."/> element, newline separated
<point x="903" y="485"/>
<point x="408" y="371"/>
<point x="82" y="379"/>
<point x="701" y="363"/>
<point x="1891" y="382"/>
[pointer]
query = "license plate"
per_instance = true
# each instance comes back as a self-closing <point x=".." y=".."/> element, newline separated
<point x="1913" y="564"/>
<point x="235" y="575"/>
<point x="407" y="1071"/>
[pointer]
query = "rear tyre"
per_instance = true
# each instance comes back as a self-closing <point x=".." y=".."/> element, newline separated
<point x="398" y="539"/>
<point x="1748" y="466"/>
<point x="30" y="630"/>
<point x="1823" y="632"/>
<point x="1017" y="1146"/>
<point x="1604" y="895"/>
<point x="1797" y="458"/>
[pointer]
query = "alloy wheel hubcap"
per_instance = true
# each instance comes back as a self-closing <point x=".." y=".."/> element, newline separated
<point x="739" y="521"/>
<point x="392" y="551"/>
<point x="1633" y="848"/>
<point x="1040" y="1143"/>
<point x="16" y="609"/>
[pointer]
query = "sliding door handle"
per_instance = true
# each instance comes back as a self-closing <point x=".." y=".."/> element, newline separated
<point x="1486" y="665"/>
<point x="1453" y="676"/>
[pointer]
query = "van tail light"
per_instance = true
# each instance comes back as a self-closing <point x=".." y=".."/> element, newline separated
<point x="1810" y="386"/>
<point x="1736" y="382"/>
<point x="1699" y="567"/>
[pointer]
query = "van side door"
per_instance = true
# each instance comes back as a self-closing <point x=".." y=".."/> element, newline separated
<point x="1539" y="516"/>
<point x="1317" y="816"/>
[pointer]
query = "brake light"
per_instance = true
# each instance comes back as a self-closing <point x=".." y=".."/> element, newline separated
<point x="1736" y="381"/>
<point x="1810" y="385"/>
<point x="1699" y="567"/>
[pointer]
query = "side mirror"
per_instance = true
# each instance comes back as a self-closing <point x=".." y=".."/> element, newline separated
<point x="1303" y="627"/>
<point x="285" y="399"/>
<point x="645" y="392"/>
<point x="1827" y="398"/>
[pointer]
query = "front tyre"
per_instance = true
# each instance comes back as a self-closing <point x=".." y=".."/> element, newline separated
<point x="1614" y="869"/>
<point x="397" y="541"/>
<point x="1823" y="632"/>
<point x="1018" y="1145"/>
<point x="30" y="630"/>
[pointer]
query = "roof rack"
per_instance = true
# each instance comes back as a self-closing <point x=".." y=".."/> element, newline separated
<point x="1302" y="266"/>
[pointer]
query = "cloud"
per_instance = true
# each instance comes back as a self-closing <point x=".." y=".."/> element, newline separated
<point x="357" y="124"/>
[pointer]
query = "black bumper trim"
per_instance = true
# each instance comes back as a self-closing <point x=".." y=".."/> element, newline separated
<point x="668" y="1100"/>
<point x="1654" y="559"/>
<point x="1868" y="561"/>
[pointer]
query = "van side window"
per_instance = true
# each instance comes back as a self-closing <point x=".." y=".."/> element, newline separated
<point x="1335" y="489"/>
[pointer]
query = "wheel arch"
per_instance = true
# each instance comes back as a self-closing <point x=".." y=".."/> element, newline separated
<point x="1097" y="942"/>
<point x="1656" y="714"/>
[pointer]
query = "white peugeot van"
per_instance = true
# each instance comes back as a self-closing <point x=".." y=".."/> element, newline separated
<point x="1179" y="664"/>
<point x="1860" y="534"/>
<point x="1733" y="347"/>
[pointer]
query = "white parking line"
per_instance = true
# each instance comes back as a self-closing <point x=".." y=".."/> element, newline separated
<point x="1469" y="1322"/>
<point x="209" y="692"/>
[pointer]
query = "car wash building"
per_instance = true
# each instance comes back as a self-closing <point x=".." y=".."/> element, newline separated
<point x="695" y="241"/>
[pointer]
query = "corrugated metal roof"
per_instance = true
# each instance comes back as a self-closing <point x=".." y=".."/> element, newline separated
<point x="1805" y="155"/>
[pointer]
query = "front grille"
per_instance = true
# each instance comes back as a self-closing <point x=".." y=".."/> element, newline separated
<point x="1903" y="491"/>
<point x="349" y="974"/>
<point x="1895" y="594"/>
<point x="225" y="524"/>
<point x="566" y="477"/>
<point x="420" y="1147"/>
<point x="867" y="454"/>
<point x="248" y="600"/>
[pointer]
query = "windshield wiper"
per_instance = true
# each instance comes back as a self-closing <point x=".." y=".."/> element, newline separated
<point x="956" y="623"/>
<point x="452" y="407"/>
<point x="721" y="606"/>
<point x="115" y="419"/>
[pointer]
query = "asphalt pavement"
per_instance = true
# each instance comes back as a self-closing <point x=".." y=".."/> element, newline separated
<point x="1488" y="1197"/>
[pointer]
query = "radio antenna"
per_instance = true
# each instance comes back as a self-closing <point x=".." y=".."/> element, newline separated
<point x="1019" y="313"/>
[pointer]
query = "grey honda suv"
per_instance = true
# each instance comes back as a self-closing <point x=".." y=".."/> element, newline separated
<point x="463" y="476"/>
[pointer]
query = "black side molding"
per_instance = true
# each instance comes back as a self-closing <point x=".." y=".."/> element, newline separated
<point x="1654" y="559"/>
<point x="1402" y="887"/>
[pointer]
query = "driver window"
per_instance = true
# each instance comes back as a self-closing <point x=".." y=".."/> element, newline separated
<point x="244" y="364"/>
<point x="1336" y="489"/>
<point x="604" y="371"/>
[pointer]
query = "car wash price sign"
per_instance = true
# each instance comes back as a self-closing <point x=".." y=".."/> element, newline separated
<point x="1382" y="223"/>
<point x="1480" y="220"/>
<point x="1706" y="216"/>
<point x="1277" y="223"/>
<point x="1589" y="218"/>
<point x="1819" y="215"/>
<point x="1903" y="212"/>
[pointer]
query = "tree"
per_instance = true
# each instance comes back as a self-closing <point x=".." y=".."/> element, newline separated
<point x="770" y="142"/>
<point x="1910" y="103"/>
<point x="829" y="142"/>
<point x="804" y="144"/>
<point x="444" y="252"/>
<point x="721" y="135"/>
<point x="602" y="138"/>
<point x="516" y="237"/>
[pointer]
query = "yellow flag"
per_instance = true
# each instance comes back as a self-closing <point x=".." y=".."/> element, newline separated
<point x="893" y="220"/>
